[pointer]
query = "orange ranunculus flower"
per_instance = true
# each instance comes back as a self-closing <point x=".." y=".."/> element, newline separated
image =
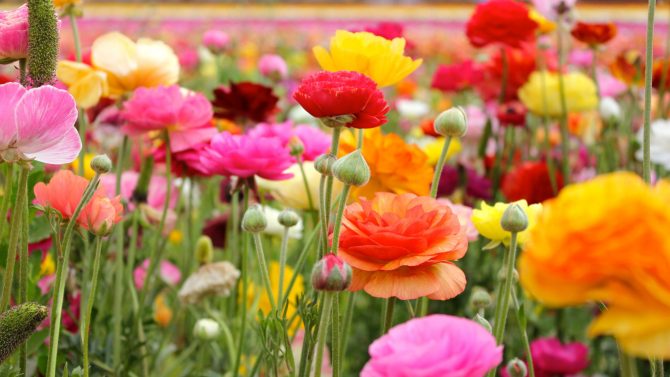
<point x="594" y="34"/>
<point x="402" y="246"/>
<point x="395" y="165"/>
<point x="659" y="66"/>
<point x="576" y="254"/>
<point x="628" y="67"/>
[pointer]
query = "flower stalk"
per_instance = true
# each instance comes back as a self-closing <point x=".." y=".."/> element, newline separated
<point x="646" y="143"/>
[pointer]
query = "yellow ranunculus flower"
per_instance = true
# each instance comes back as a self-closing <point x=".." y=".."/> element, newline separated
<point x="378" y="58"/>
<point x="47" y="267"/>
<point x="89" y="173"/>
<point x="65" y="3"/>
<point x="130" y="65"/>
<point x="545" y="26"/>
<point x="580" y="93"/>
<point x="291" y="192"/>
<point x="434" y="149"/>
<point x="487" y="221"/>
<point x="86" y="84"/>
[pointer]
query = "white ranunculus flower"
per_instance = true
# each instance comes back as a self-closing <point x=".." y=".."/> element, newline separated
<point x="412" y="109"/>
<point x="660" y="143"/>
<point x="206" y="329"/>
<point x="610" y="109"/>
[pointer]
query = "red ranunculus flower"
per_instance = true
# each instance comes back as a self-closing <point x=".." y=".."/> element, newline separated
<point x="512" y="113"/>
<point x="500" y="21"/>
<point x="594" y="34"/>
<point x="521" y="62"/>
<point x="245" y="100"/>
<point x="530" y="181"/>
<point x="335" y="94"/>
<point x="458" y="76"/>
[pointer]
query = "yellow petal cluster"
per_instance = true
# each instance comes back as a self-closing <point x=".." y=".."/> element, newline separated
<point x="86" y="84"/>
<point x="380" y="59"/>
<point x="434" y="149"/>
<point x="545" y="26"/>
<point x="487" y="221"/>
<point x="607" y="241"/>
<point x="541" y="94"/>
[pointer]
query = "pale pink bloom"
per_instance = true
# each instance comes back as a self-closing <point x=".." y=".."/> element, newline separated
<point x="244" y="156"/>
<point x="169" y="273"/>
<point x="549" y="8"/>
<point x="14" y="33"/>
<point x="155" y="196"/>
<point x="609" y="85"/>
<point x="464" y="214"/>
<point x="215" y="40"/>
<point x="273" y="66"/>
<point x="581" y="58"/>
<point x="315" y="141"/>
<point x="476" y="122"/>
<point x="184" y="114"/>
<point x="37" y="124"/>
<point x="434" y="346"/>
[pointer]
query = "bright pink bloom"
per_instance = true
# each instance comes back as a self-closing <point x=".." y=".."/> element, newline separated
<point x="37" y="124"/>
<point x="432" y="346"/>
<point x="552" y="357"/>
<point x="273" y="66"/>
<point x="185" y="115"/>
<point x="244" y="156"/>
<point x="215" y="40"/>
<point x="155" y="196"/>
<point x="168" y="272"/>
<point x="315" y="141"/>
<point x="609" y="85"/>
<point x="14" y="33"/>
<point x="457" y="77"/>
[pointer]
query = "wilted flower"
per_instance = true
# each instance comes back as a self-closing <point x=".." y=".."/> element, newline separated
<point x="214" y="279"/>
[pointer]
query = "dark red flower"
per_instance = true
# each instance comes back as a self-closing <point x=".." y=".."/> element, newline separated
<point x="336" y="94"/>
<point x="530" y="181"/>
<point x="457" y="77"/>
<point x="594" y="34"/>
<point x="512" y="113"/>
<point x="244" y="101"/>
<point x="505" y="22"/>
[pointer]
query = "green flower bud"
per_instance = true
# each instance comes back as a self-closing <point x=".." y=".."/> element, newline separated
<point x="254" y="220"/>
<point x="288" y="218"/>
<point x="482" y="321"/>
<point x="337" y="121"/>
<point x="42" y="42"/>
<point x="101" y="164"/>
<point x="204" y="250"/>
<point x="451" y="123"/>
<point x="206" y="329"/>
<point x="331" y="274"/>
<point x="16" y="326"/>
<point x="296" y="147"/>
<point x="352" y="169"/>
<point x="517" y="368"/>
<point x="514" y="219"/>
<point x="324" y="164"/>
<point x="480" y="298"/>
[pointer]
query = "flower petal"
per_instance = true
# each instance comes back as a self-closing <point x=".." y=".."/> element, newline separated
<point x="10" y="94"/>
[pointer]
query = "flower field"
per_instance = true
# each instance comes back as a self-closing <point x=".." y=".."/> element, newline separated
<point x="425" y="191"/>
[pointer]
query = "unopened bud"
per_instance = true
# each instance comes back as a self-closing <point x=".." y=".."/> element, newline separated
<point x="502" y="275"/>
<point x="16" y="326"/>
<point x="482" y="321"/>
<point x="480" y="298"/>
<point x="352" y="169"/>
<point x="101" y="164"/>
<point x="295" y="146"/>
<point x="514" y="219"/>
<point x="204" y="250"/>
<point x="337" y="121"/>
<point x="206" y="329"/>
<point x="331" y="274"/>
<point x="254" y="220"/>
<point x="288" y="218"/>
<point x="324" y="164"/>
<point x="517" y="368"/>
<point x="451" y="123"/>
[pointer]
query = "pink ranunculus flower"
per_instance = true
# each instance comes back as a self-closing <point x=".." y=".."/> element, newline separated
<point x="155" y="196"/>
<point x="14" y="33"/>
<point x="184" y="114"/>
<point x="609" y="85"/>
<point x="216" y="40"/>
<point x="37" y="124"/>
<point x="432" y="346"/>
<point x="169" y="273"/>
<point x="551" y="357"/>
<point x="315" y="141"/>
<point x="273" y="66"/>
<point x="244" y="156"/>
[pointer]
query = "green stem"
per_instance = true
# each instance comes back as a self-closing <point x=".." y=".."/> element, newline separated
<point x="23" y="279"/>
<point x="265" y="275"/>
<point x="8" y="173"/>
<point x="323" y="326"/>
<point x="117" y="310"/>
<point x="524" y="334"/>
<point x="23" y="77"/>
<point x="14" y="236"/>
<point x="505" y="76"/>
<point x="348" y="316"/>
<point x="310" y="201"/>
<point x="336" y="349"/>
<point x="388" y="314"/>
<point x="59" y="286"/>
<point x="439" y="167"/>
<point x="302" y="258"/>
<point x="244" y="281"/>
<point x="282" y="264"/>
<point x="90" y="301"/>
<point x="338" y="218"/>
<point x="627" y="364"/>
<point x="328" y="191"/>
<point x="565" y="134"/>
<point x="646" y="143"/>
<point x="75" y="36"/>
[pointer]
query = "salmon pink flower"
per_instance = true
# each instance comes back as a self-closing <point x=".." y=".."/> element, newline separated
<point x="14" y="34"/>
<point x="505" y="22"/>
<point x="37" y="124"/>
<point x="244" y="156"/>
<point x="402" y="246"/>
<point x="184" y="114"/>
<point x="100" y="215"/>
<point x="344" y="98"/>
<point x="436" y="345"/>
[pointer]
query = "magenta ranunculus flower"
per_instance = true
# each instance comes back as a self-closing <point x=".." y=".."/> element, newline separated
<point x="273" y="66"/>
<point x="244" y="156"/>
<point x="315" y="141"/>
<point x="14" y="34"/>
<point x="551" y="357"/>
<point x="37" y="124"/>
<point x="432" y="346"/>
<point x="215" y="40"/>
<point x="184" y="114"/>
